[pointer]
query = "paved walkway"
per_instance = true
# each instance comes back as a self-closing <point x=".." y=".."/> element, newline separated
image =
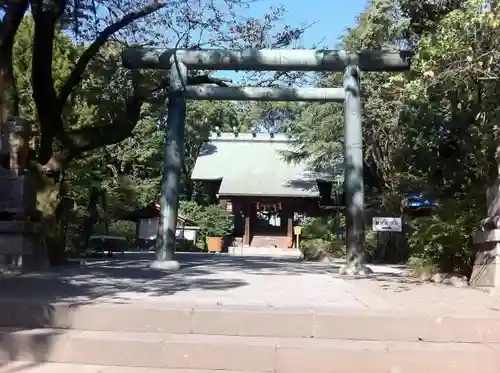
<point x="36" y="367"/>
<point x="228" y="280"/>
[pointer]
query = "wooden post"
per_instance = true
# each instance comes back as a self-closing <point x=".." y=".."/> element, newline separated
<point x="288" y="212"/>
<point x="289" y="228"/>
<point x="246" y="236"/>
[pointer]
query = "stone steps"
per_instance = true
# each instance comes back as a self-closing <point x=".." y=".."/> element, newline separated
<point x="245" y="339"/>
<point x="244" y="354"/>
<point x="269" y="241"/>
<point x="326" y="323"/>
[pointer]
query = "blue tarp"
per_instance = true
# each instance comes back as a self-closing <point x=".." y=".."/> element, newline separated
<point x="418" y="200"/>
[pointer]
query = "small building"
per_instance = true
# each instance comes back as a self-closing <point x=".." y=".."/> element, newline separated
<point x="147" y="220"/>
<point x="247" y="173"/>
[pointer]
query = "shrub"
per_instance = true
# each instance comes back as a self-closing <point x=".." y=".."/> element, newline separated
<point x="187" y="246"/>
<point x="320" y="238"/>
<point x="218" y="222"/>
<point x="422" y="266"/>
<point x="317" y="249"/>
<point x="125" y="229"/>
<point x="444" y="240"/>
<point x="213" y="220"/>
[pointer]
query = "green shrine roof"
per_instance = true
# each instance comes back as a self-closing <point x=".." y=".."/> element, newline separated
<point x="253" y="165"/>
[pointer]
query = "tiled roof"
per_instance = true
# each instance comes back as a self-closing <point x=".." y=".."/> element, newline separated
<point x="254" y="165"/>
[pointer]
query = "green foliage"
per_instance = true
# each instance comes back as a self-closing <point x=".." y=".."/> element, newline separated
<point x="96" y="122"/>
<point x="317" y="248"/>
<point x="125" y="229"/>
<point x="64" y="55"/>
<point x="218" y="222"/>
<point x="188" y="246"/>
<point x="193" y="211"/>
<point x="433" y="129"/>
<point x="422" y="267"/>
<point x="213" y="220"/>
<point x="322" y="227"/>
<point x="445" y="239"/>
<point x="319" y="238"/>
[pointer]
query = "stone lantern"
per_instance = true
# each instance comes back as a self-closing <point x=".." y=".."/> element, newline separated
<point x="22" y="243"/>
<point x="486" y="270"/>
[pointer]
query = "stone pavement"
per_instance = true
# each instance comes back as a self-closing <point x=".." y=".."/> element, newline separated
<point x="36" y="367"/>
<point x="264" y="252"/>
<point x="246" y="281"/>
<point x="245" y="314"/>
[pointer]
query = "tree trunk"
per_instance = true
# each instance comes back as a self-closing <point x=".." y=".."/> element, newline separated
<point x="188" y="183"/>
<point x="9" y="100"/>
<point x="6" y="107"/>
<point x="49" y="206"/>
<point x="8" y="93"/>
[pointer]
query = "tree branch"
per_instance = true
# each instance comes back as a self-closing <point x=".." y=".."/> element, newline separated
<point x="76" y="75"/>
<point x="48" y="103"/>
<point x="90" y="138"/>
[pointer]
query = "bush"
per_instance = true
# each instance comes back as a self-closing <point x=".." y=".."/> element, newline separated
<point x="317" y="249"/>
<point x="125" y="229"/>
<point x="444" y="240"/>
<point x="187" y="246"/>
<point x="213" y="220"/>
<point x="218" y="222"/>
<point x="319" y="238"/>
<point x="192" y="210"/>
<point x="422" y="266"/>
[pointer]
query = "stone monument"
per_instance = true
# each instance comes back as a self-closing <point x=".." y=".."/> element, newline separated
<point x="486" y="270"/>
<point x="22" y="244"/>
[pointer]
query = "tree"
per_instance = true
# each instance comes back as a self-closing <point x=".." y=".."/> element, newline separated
<point x="318" y="131"/>
<point x="111" y="24"/>
<point x="431" y="129"/>
<point x="452" y="99"/>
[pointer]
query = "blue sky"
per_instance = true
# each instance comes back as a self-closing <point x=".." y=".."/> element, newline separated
<point x="330" y="18"/>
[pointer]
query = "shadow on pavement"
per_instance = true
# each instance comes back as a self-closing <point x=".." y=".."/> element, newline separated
<point x="34" y="300"/>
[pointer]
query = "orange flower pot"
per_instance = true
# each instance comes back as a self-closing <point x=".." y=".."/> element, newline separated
<point x="214" y="244"/>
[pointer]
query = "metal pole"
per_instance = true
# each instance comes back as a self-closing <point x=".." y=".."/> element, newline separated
<point x="172" y="166"/>
<point x="353" y="172"/>
<point x="265" y="94"/>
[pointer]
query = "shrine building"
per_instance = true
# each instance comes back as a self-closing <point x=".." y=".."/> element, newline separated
<point x="248" y="175"/>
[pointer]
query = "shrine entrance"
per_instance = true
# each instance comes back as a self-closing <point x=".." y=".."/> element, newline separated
<point x="270" y="225"/>
<point x="260" y="224"/>
<point x="179" y="62"/>
<point x="269" y="219"/>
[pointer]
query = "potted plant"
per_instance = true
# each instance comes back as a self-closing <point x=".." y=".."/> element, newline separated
<point x="217" y="225"/>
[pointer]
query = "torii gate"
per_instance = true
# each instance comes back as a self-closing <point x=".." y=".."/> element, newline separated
<point x="179" y="61"/>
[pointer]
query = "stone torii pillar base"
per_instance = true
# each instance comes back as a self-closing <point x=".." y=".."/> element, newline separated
<point x="486" y="271"/>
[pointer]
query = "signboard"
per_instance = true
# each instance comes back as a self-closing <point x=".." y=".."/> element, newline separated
<point x="381" y="224"/>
